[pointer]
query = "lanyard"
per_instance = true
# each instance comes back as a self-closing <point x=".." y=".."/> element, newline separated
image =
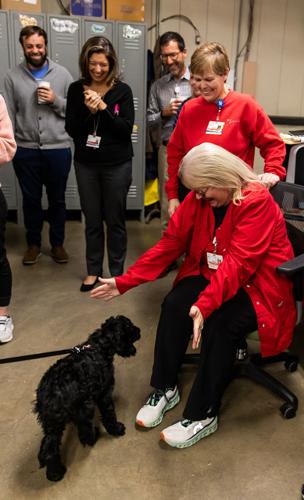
<point x="219" y="104"/>
<point x="96" y="125"/>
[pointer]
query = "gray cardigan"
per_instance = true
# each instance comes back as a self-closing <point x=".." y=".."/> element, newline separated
<point x="37" y="126"/>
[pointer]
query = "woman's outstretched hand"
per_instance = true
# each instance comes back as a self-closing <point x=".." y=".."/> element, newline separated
<point x="107" y="291"/>
<point x="198" y="323"/>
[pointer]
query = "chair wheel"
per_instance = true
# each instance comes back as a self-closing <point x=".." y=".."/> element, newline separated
<point x="288" y="411"/>
<point x="291" y="366"/>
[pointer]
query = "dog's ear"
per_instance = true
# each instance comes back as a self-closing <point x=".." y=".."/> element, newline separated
<point x="107" y="322"/>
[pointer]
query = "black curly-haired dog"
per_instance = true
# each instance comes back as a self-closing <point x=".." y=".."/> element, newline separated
<point x="70" y="389"/>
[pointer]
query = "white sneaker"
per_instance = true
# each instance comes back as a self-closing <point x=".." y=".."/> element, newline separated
<point x="187" y="432"/>
<point x="152" y="413"/>
<point x="6" y="329"/>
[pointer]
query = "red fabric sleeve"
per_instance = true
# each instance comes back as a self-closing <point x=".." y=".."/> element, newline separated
<point x="171" y="246"/>
<point x="271" y="146"/>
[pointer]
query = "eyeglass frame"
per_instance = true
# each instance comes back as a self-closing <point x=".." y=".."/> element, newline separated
<point x="173" y="56"/>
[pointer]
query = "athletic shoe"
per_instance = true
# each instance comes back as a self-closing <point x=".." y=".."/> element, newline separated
<point x="187" y="432"/>
<point x="152" y="413"/>
<point x="6" y="329"/>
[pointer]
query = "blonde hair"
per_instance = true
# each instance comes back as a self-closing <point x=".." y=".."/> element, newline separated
<point x="209" y="165"/>
<point x="210" y="56"/>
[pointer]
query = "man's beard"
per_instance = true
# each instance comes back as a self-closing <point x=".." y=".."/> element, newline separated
<point x="34" y="62"/>
<point x="177" y="67"/>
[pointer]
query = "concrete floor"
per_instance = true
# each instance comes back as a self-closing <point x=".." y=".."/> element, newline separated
<point x="254" y="454"/>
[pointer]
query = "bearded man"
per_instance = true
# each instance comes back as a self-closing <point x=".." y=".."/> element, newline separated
<point x="35" y="93"/>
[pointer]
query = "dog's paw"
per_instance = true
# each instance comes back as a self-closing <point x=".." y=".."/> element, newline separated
<point x="90" y="439"/>
<point x="117" y="429"/>
<point x="95" y="437"/>
<point x="55" y="472"/>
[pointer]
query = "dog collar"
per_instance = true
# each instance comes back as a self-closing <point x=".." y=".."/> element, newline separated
<point x="77" y="349"/>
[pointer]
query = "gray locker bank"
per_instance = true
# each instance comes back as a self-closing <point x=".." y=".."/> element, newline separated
<point x="66" y="35"/>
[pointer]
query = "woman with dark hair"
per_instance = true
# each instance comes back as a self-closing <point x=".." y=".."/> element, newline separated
<point x="99" y="118"/>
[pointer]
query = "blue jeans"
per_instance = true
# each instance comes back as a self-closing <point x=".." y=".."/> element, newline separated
<point x="35" y="168"/>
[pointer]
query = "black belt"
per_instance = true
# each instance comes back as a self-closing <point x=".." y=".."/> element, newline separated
<point x="165" y="143"/>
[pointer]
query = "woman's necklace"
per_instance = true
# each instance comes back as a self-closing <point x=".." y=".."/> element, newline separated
<point x="101" y="90"/>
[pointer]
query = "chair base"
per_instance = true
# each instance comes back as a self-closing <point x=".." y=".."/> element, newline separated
<point x="251" y="368"/>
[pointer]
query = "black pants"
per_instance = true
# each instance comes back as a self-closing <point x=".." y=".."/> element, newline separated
<point x="220" y="338"/>
<point x="34" y="169"/>
<point x="103" y="194"/>
<point x="5" y="270"/>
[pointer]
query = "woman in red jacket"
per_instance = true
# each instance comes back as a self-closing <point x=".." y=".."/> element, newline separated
<point x="232" y="120"/>
<point x="233" y="236"/>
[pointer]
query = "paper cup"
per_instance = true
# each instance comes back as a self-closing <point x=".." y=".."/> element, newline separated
<point x="42" y="85"/>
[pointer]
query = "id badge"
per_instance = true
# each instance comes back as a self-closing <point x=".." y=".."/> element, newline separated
<point x="215" y="128"/>
<point x="214" y="260"/>
<point x="93" y="141"/>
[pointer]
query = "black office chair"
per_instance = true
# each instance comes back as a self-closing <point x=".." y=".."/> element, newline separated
<point x="290" y="198"/>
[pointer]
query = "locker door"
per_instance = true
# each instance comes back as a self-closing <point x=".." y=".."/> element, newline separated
<point x="64" y="42"/>
<point x="19" y="20"/>
<point x="131" y="48"/>
<point x="65" y="45"/>
<point x="4" y="47"/>
<point x="97" y="27"/>
<point x="8" y="185"/>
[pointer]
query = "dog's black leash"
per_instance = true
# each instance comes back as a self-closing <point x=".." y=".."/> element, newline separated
<point x="38" y="355"/>
<point x="73" y="350"/>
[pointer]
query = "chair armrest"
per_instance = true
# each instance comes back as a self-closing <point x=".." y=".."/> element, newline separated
<point x="292" y="267"/>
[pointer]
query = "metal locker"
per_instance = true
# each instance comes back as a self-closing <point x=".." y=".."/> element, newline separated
<point x="131" y="48"/>
<point x="64" y="46"/>
<point x="18" y="21"/>
<point x="135" y="199"/>
<point x="96" y="27"/>
<point x="4" y="47"/>
<point x="8" y="185"/>
<point x="64" y="42"/>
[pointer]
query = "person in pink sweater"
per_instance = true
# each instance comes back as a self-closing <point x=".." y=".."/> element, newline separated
<point x="7" y="151"/>
<point x="230" y="119"/>
<point x="226" y="287"/>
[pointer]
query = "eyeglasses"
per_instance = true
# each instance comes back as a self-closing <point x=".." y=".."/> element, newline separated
<point x="173" y="56"/>
<point x="203" y="191"/>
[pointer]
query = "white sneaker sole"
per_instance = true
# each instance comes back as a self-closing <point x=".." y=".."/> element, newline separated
<point x="210" y="429"/>
<point x="7" y="339"/>
<point x="173" y="402"/>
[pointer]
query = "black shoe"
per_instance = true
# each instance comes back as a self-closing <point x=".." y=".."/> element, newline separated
<point x="87" y="288"/>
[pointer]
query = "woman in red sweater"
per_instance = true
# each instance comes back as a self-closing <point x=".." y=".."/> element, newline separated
<point x="226" y="287"/>
<point x="229" y="119"/>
